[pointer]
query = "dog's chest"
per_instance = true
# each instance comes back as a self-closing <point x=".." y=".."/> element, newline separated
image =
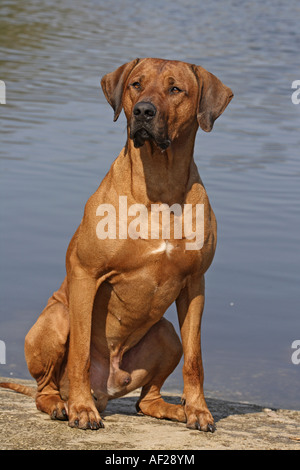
<point x="151" y="276"/>
<point x="165" y="247"/>
<point x="146" y="277"/>
<point x="158" y="258"/>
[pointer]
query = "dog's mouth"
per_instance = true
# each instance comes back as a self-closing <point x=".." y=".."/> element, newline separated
<point x="139" y="137"/>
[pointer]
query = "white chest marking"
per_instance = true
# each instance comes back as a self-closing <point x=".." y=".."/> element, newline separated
<point x="165" y="246"/>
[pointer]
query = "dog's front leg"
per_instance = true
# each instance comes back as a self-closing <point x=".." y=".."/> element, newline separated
<point x="190" y="305"/>
<point x="81" y="408"/>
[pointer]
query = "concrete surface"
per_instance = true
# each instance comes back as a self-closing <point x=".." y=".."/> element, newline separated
<point x="239" y="426"/>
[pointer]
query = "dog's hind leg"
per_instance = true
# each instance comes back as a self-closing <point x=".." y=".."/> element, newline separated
<point x="158" y="353"/>
<point x="46" y="353"/>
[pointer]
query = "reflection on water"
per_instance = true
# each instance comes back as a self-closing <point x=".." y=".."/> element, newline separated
<point x="58" y="140"/>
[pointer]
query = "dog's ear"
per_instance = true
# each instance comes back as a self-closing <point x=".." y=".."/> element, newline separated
<point x="214" y="97"/>
<point x="113" y="85"/>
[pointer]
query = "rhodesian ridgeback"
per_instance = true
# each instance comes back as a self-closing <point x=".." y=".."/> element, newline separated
<point x="102" y="334"/>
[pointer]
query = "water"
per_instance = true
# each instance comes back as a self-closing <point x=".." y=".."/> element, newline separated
<point x="58" y="141"/>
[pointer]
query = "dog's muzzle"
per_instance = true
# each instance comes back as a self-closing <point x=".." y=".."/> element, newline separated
<point x="143" y="126"/>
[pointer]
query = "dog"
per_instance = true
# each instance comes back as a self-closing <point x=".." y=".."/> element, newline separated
<point x="102" y="333"/>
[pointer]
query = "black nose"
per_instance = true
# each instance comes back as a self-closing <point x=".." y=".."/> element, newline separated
<point x="144" y="111"/>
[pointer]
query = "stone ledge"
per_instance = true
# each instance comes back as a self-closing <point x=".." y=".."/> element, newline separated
<point x="240" y="426"/>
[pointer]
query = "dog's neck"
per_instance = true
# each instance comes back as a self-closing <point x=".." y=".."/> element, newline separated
<point x="161" y="176"/>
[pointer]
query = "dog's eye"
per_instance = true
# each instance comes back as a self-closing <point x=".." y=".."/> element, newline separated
<point x="136" y="85"/>
<point x="174" y="90"/>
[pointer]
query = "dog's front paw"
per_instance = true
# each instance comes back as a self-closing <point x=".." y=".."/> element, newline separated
<point x="83" y="416"/>
<point x="199" y="419"/>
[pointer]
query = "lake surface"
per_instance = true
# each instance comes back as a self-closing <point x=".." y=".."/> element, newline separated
<point x="58" y="140"/>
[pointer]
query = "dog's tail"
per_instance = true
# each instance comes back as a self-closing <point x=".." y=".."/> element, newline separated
<point x="29" y="391"/>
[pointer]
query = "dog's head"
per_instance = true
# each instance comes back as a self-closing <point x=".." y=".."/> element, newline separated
<point x="162" y="99"/>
